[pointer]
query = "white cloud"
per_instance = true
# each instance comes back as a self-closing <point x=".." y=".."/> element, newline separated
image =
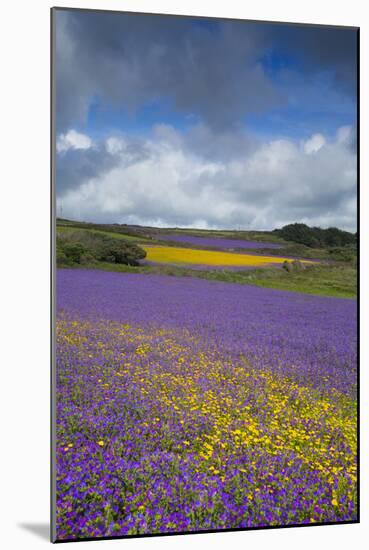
<point x="344" y="134"/>
<point x="115" y="145"/>
<point x="72" y="140"/>
<point x="164" y="180"/>
<point x="314" y="144"/>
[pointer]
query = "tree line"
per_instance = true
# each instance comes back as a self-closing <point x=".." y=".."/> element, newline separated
<point x="315" y="237"/>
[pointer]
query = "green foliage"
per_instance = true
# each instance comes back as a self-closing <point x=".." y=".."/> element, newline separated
<point x="74" y="251"/>
<point x="343" y="254"/>
<point x="347" y="254"/>
<point x="61" y="258"/>
<point x="315" y="237"/>
<point x="114" y="228"/>
<point x="325" y="280"/>
<point x="76" y="248"/>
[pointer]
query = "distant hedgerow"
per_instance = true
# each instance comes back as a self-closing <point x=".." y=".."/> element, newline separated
<point x="86" y="247"/>
<point x="316" y="237"/>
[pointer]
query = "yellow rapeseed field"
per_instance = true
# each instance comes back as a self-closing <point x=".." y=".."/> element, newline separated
<point x="174" y="255"/>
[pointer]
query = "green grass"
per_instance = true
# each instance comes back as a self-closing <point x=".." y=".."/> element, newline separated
<point x="338" y="254"/>
<point x="64" y="227"/>
<point x="115" y="235"/>
<point x="130" y="231"/>
<point x="147" y="232"/>
<point x="339" y="281"/>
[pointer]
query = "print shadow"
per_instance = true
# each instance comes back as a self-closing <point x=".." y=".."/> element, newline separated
<point x="42" y="530"/>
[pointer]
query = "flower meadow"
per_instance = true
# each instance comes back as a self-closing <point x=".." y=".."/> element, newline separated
<point x="216" y="242"/>
<point x="186" y="405"/>
<point x="210" y="258"/>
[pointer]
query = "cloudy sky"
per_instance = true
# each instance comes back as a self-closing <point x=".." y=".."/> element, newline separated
<point x="192" y="122"/>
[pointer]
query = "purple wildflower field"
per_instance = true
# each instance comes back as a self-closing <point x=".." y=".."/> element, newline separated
<point x="186" y="405"/>
<point x="215" y="242"/>
<point x="206" y="267"/>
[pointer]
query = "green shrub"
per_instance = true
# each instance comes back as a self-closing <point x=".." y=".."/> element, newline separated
<point x="74" y="251"/>
<point x="315" y="237"/>
<point x="87" y="258"/>
<point x="121" y="253"/>
<point x="86" y="247"/>
<point x="61" y="258"/>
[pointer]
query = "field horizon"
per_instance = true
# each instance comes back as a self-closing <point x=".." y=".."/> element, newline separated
<point x="334" y="270"/>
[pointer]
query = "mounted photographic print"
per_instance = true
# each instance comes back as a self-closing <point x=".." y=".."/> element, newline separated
<point x="205" y="184"/>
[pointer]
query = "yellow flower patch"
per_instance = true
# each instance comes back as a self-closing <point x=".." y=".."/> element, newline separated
<point x="173" y="255"/>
